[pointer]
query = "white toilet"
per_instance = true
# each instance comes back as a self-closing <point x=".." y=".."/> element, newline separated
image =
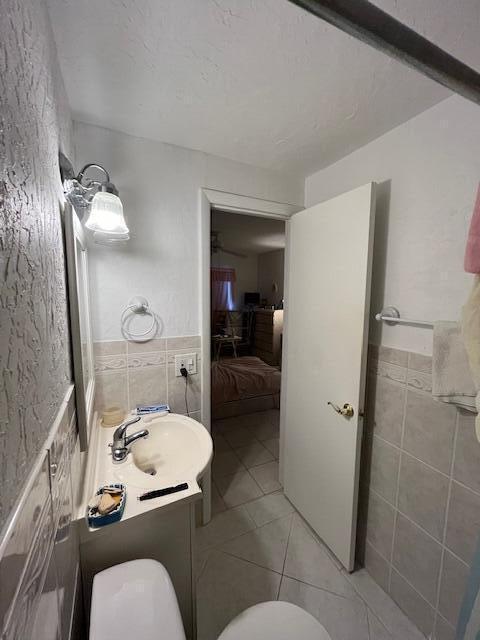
<point x="136" y="600"/>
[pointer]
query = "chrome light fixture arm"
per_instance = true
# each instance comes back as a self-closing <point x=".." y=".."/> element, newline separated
<point x="100" y="198"/>
<point x="79" y="189"/>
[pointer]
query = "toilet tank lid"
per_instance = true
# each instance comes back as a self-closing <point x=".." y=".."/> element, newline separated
<point x="135" y="601"/>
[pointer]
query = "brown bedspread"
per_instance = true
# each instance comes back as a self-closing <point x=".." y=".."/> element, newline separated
<point x="240" y="378"/>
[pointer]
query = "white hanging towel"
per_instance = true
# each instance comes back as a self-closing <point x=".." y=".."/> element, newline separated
<point x="471" y="337"/>
<point x="451" y="375"/>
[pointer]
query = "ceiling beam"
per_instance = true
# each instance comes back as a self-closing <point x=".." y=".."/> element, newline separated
<point x="366" y="22"/>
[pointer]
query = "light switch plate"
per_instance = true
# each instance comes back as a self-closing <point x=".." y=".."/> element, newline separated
<point x="187" y="360"/>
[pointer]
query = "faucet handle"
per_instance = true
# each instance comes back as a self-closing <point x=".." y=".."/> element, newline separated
<point x="120" y="431"/>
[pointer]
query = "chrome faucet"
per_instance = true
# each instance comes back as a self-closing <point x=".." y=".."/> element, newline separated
<point x="121" y="441"/>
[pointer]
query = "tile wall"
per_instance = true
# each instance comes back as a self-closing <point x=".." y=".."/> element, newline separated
<point x="419" y="510"/>
<point x="39" y="558"/>
<point x="131" y="373"/>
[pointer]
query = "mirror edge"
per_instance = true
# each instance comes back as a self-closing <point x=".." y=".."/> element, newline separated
<point x="84" y="397"/>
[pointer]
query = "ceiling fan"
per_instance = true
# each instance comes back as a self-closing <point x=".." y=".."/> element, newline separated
<point x="217" y="246"/>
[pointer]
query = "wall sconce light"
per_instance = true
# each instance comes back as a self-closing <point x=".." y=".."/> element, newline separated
<point x="103" y="209"/>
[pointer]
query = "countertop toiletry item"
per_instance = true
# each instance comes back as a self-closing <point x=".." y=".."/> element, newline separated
<point x="158" y="493"/>
<point x="112" y="417"/>
<point x="451" y="376"/>
<point x="146" y="409"/>
<point x="107" y="505"/>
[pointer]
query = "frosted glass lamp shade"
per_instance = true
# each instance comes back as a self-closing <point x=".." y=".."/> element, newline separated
<point x="106" y="214"/>
<point x="100" y="237"/>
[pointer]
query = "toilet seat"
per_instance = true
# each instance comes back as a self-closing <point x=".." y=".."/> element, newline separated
<point x="274" y="621"/>
<point x="136" y="601"/>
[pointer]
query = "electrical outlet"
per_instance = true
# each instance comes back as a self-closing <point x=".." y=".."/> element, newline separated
<point x="187" y="360"/>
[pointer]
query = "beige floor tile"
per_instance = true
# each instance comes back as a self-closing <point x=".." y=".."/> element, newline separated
<point x="376" y="628"/>
<point x="220" y="445"/>
<point x="269" y="508"/>
<point x="267" y="476"/>
<point x="224" y="526"/>
<point x="239" y="437"/>
<point x="226" y="463"/>
<point x="273" y="445"/>
<point x="227" y="587"/>
<point x="343" y="618"/>
<point x="265" y="546"/>
<point x="238" y="488"/>
<point x="201" y="559"/>
<point x="254" y="454"/>
<point x="308" y="560"/>
<point x="274" y="417"/>
<point x="389" y="614"/>
<point x="218" y="505"/>
<point x="264" y="430"/>
<point x="228" y="424"/>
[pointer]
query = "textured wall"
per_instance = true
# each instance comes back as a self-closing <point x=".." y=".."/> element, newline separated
<point x="34" y="349"/>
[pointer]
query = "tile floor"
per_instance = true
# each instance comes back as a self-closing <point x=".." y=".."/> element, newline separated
<point x="257" y="548"/>
<point x="245" y="465"/>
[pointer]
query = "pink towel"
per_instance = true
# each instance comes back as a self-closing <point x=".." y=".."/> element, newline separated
<point x="472" y="251"/>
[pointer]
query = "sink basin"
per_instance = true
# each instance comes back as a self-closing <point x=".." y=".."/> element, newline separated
<point x="177" y="449"/>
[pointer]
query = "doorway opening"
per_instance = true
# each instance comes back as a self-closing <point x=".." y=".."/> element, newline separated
<point x="247" y="265"/>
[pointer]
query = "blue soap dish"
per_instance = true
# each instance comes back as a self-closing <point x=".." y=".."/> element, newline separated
<point x="96" y="519"/>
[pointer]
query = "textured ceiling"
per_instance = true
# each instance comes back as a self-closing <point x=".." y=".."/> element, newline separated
<point x="453" y="25"/>
<point x="248" y="234"/>
<point x="258" y="81"/>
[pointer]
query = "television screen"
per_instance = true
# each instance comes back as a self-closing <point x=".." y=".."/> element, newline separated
<point x="251" y="298"/>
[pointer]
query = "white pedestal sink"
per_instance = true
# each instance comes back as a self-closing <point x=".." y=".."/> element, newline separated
<point x="176" y="450"/>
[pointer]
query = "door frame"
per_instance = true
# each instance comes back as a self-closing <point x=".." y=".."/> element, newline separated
<point x="212" y="199"/>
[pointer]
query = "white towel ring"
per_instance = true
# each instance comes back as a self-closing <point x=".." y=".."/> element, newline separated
<point x="138" y="306"/>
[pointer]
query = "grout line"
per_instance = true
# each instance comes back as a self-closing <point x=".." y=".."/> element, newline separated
<point x="255" y="564"/>
<point x="464" y="486"/>
<point x="420" y="527"/>
<point x="286" y="552"/>
<point x="416" y="591"/>
<point x="399" y="448"/>
<point x="280" y="587"/>
<point x="371" y="612"/>
<point x="378" y="553"/>
<point x="445" y="524"/>
<point x="397" y="489"/>
<point x="334" y="593"/>
<point x="368" y="626"/>
<point x="445" y="475"/>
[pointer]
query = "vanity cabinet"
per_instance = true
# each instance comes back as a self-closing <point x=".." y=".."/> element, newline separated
<point x="166" y="535"/>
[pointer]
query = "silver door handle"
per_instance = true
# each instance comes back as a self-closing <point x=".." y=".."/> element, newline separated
<point x="346" y="411"/>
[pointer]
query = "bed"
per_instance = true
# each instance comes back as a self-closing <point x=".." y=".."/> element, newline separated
<point x="243" y="385"/>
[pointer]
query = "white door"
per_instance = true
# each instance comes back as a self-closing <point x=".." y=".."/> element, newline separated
<point x="329" y="256"/>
